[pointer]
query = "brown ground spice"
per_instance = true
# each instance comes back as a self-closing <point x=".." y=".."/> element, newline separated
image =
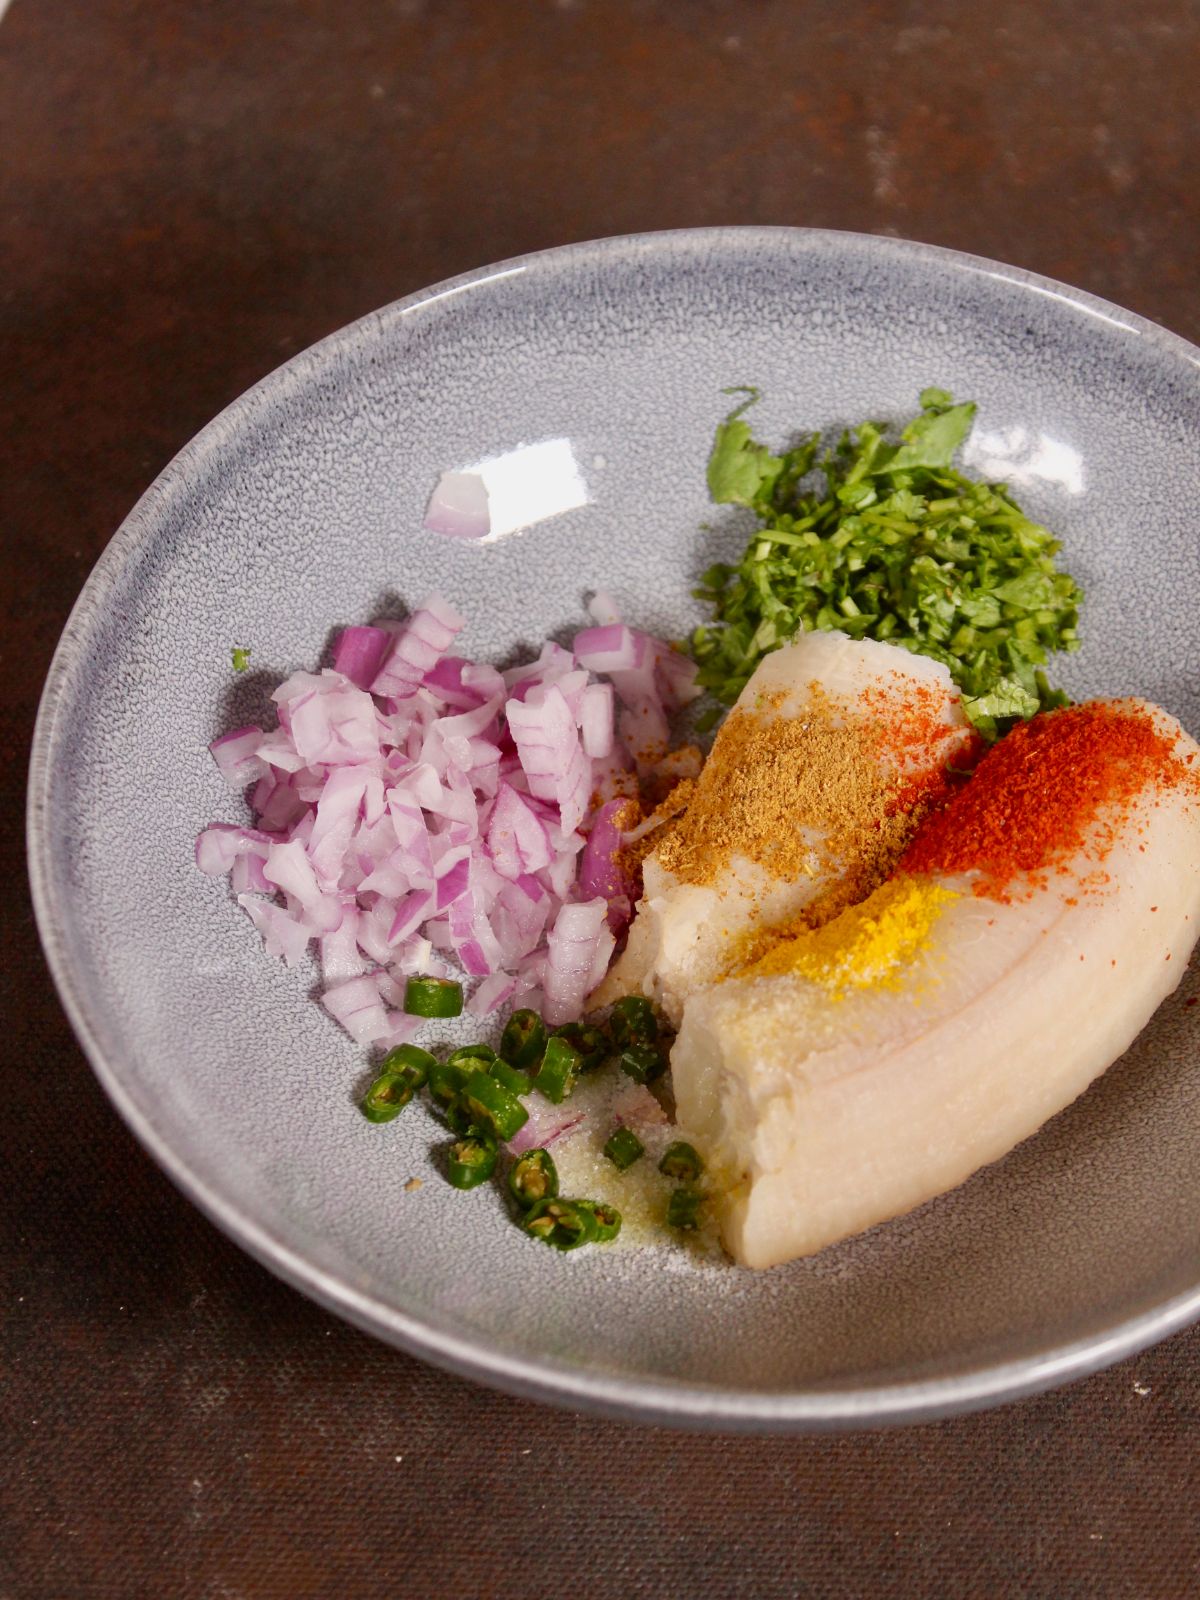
<point x="772" y="781"/>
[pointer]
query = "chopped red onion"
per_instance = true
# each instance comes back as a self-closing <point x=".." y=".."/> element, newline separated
<point x="596" y="721"/>
<point x="237" y="758"/>
<point x="283" y="935"/>
<point x="410" y="913"/>
<point x="356" y="1004"/>
<point x="221" y="843"/>
<point x="573" y="942"/>
<point x="603" y="609"/>
<point x="612" y="649"/>
<point x="601" y="871"/>
<point x="546" y="1124"/>
<point x="415" y="651"/>
<point x="340" y="955"/>
<point x="412" y="801"/>
<point x="517" y="839"/>
<point x="458" y="507"/>
<point x="358" y="654"/>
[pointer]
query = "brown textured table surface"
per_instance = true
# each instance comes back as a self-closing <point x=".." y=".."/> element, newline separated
<point x="192" y="190"/>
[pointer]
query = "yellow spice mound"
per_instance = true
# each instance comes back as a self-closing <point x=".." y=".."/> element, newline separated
<point x="865" y="946"/>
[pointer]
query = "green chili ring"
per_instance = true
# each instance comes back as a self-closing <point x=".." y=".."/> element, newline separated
<point x="607" y="1219"/>
<point x="471" y="1161"/>
<point x="533" y="1177"/>
<point x="624" y="1148"/>
<point x="493" y="1106"/>
<point x="523" y="1039"/>
<point x="387" y="1097"/>
<point x="433" y="997"/>
<point x="563" y="1224"/>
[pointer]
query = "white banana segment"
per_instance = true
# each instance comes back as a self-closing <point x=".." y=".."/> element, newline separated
<point x="683" y="933"/>
<point x="824" y="1112"/>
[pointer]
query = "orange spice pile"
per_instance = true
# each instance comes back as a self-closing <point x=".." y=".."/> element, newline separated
<point x="1055" y="788"/>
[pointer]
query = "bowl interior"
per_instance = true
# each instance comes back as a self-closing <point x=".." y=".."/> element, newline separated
<point x="300" y="510"/>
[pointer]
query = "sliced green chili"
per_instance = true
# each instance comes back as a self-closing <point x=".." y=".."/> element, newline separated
<point x="642" y="1062"/>
<point x="559" y="1070"/>
<point x="410" y="1062"/>
<point x="387" y="1097"/>
<point x="624" y="1148"/>
<point x="462" y="1120"/>
<point x="472" y="1056"/>
<point x="633" y="1021"/>
<point x="565" y="1224"/>
<point x="607" y="1219"/>
<point x="433" y="997"/>
<point x="683" y="1208"/>
<point x="471" y="1161"/>
<point x="533" y="1177"/>
<point x="681" y="1161"/>
<point x="592" y="1045"/>
<point x="523" y="1039"/>
<point x="516" y="1082"/>
<point x="493" y="1106"/>
<point x="446" y="1082"/>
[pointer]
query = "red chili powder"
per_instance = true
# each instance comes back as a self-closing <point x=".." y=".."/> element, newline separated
<point x="912" y="731"/>
<point x="1036" y="798"/>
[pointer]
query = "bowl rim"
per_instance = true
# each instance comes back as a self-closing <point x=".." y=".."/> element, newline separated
<point x="680" y="1405"/>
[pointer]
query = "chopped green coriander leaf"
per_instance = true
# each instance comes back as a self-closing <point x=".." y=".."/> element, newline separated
<point x="559" y="1069"/>
<point x="523" y="1039"/>
<point x="624" y="1148"/>
<point x="433" y="997"/>
<point x="642" y="1062"/>
<point x="683" y="1208"/>
<point x="890" y="542"/>
<point x="633" y="1021"/>
<point x="490" y="1105"/>
<point x="606" y="1218"/>
<point x="240" y="657"/>
<point x="387" y="1097"/>
<point x="681" y="1161"/>
<point x="471" y="1161"/>
<point x="533" y="1177"/>
<point x="565" y="1224"/>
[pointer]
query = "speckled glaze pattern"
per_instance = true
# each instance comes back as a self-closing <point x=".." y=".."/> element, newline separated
<point x="299" y="509"/>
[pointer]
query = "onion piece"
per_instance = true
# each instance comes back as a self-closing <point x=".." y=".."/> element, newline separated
<point x="237" y="758"/>
<point x="426" y="636"/>
<point x="516" y="839"/>
<point x="340" y="955"/>
<point x="615" y="648"/>
<point x="221" y="844"/>
<point x="289" y="868"/>
<point x="544" y="1126"/>
<point x="602" y="871"/>
<point x="358" y="654"/>
<point x="492" y="993"/>
<point x="573" y="942"/>
<point x="283" y="935"/>
<point x="596" y="721"/>
<point x="459" y="507"/>
<point x="356" y="1004"/>
<point x="603" y="609"/>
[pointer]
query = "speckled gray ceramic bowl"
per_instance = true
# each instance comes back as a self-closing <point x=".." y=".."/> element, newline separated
<point x="300" y="508"/>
